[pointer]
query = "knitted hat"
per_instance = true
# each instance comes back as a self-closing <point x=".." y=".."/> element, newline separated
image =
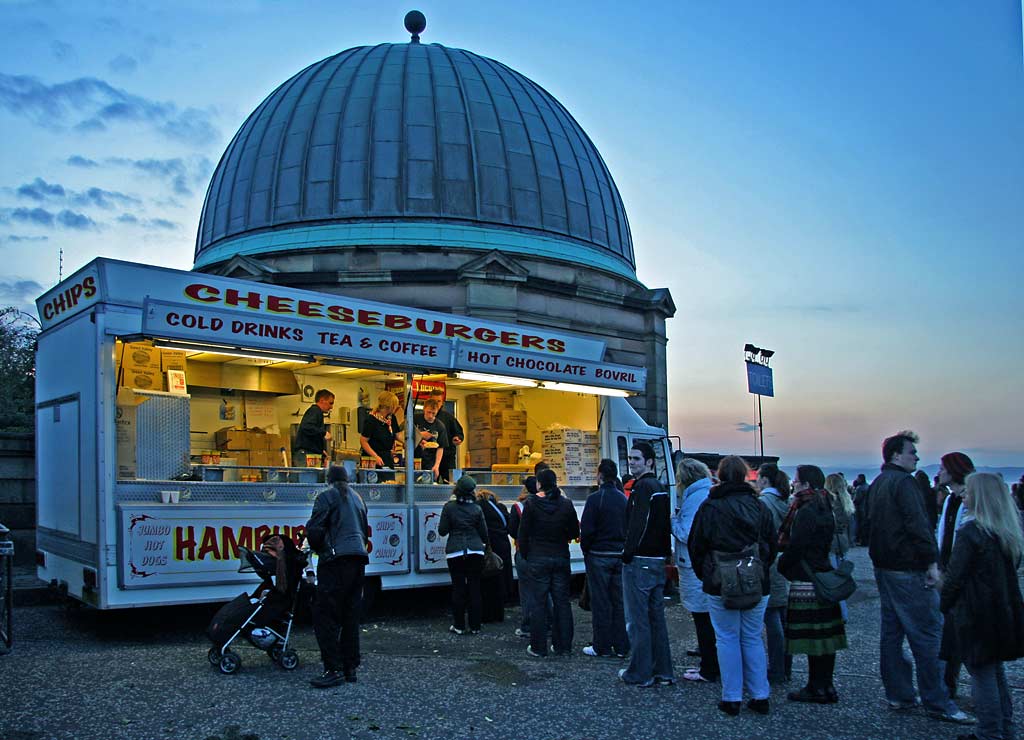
<point x="465" y="486"/>
<point x="958" y="465"/>
<point x="546" y="479"/>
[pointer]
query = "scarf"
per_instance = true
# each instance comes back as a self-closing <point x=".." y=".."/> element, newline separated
<point x="799" y="500"/>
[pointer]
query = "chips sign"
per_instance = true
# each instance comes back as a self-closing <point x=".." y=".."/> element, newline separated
<point x="759" y="380"/>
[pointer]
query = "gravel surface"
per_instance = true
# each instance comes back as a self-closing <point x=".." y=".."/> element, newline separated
<point x="143" y="673"/>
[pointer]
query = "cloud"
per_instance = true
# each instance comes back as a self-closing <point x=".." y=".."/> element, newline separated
<point x="66" y="218"/>
<point x="93" y="125"/>
<point x="104" y="198"/>
<point x="62" y="51"/>
<point x="742" y="426"/>
<point x="821" y="308"/>
<point x="175" y="171"/>
<point x="123" y="64"/>
<point x="152" y="224"/>
<point x="40" y="190"/>
<point x="19" y="291"/>
<point x="182" y="175"/>
<point x="90" y="104"/>
<point x="109" y="24"/>
<point x="19" y="238"/>
<point x="76" y="221"/>
<point x="37" y="216"/>
<point x="76" y="160"/>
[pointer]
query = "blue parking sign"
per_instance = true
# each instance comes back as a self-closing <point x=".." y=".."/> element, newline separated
<point x="759" y="380"/>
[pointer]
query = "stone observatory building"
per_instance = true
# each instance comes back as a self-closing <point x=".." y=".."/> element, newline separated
<point x="433" y="177"/>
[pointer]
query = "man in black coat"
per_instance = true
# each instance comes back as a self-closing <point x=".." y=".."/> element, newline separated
<point x="602" y="535"/>
<point x="903" y="550"/>
<point x="648" y="546"/>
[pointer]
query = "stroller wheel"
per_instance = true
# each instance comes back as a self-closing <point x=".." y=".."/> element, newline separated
<point x="213" y="656"/>
<point x="275" y="653"/>
<point x="289" y="660"/>
<point x="230" y="662"/>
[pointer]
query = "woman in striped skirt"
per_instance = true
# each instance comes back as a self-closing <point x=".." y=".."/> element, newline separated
<point x="814" y="628"/>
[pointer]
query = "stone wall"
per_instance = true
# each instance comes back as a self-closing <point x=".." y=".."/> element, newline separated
<point x="18" y="493"/>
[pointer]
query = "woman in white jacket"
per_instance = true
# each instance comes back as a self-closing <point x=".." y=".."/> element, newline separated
<point x="693" y="482"/>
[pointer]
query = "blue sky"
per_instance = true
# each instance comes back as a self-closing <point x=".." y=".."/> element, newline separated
<point x="840" y="182"/>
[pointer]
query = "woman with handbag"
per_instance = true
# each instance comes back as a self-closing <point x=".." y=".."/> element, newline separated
<point x="842" y="509"/>
<point x="496" y="584"/>
<point x="462" y="522"/>
<point x="982" y="595"/>
<point x="814" y="626"/>
<point x="732" y="543"/>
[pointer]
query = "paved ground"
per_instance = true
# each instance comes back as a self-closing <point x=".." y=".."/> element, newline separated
<point x="143" y="674"/>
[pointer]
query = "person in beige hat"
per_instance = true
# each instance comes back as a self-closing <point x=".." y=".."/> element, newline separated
<point x="462" y="522"/>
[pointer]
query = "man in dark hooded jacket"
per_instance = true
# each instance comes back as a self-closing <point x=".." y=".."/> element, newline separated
<point x="602" y="534"/>
<point x="338" y="532"/>
<point x="549" y="523"/>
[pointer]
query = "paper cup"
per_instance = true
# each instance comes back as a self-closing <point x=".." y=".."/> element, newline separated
<point x="165" y="496"/>
<point x="175" y="497"/>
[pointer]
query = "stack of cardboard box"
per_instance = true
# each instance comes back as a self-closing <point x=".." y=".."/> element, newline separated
<point x="495" y="430"/>
<point x="141" y="365"/>
<point x="572" y="453"/>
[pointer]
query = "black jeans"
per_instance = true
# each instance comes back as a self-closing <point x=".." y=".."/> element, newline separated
<point x="707" y="645"/>
<point x="339" y="595"/>
<point x="604" y="580"/>
<point x="550" y="577"/>
<point x="465" y="573"/>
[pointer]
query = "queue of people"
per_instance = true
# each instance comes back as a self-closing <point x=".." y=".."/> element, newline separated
<point x="752" y="550"/>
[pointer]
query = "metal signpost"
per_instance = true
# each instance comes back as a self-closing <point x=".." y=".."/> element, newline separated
<point x="759" y="380"/>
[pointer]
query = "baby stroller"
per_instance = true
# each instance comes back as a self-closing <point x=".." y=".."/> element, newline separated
<point x="264" y="617"/>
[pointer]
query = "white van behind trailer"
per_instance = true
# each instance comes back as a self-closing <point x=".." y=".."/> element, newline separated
<point x="132" y="513"/>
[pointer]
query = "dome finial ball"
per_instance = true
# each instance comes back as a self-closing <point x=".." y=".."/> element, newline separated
<point x="415" y="22"/>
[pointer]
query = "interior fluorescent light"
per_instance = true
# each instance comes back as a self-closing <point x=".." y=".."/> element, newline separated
<point x="233" y="352"/>
<point x="592" y="389"/>
<point x="484" y="377"/>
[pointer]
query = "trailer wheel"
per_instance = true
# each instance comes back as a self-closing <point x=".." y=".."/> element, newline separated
<point x="289" y="660"/>
<point x="213" y="656"/>
<point x="230" y="662"/>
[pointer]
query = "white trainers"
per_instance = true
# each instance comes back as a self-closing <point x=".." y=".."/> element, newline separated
<point x="903" y="706"/>
<point x="589" y="650"/>
<point x="957" y="717"/>
<point x="520" y="632"/>
<point x="456" y="631"/>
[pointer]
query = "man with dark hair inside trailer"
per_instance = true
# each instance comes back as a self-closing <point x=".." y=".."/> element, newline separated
<point x="313" y="437"/>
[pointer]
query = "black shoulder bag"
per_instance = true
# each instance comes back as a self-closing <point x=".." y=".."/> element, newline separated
<point x="834" y="585"/>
